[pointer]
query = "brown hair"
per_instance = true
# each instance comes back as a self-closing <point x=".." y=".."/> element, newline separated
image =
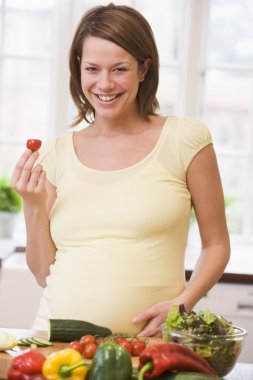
<point x="128" y="29"/>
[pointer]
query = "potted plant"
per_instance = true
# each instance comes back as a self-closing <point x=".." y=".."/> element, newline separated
<point x="10" y="206"/>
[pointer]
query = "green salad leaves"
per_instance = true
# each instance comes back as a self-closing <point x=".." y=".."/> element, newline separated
<point x="208" y="334"/>
<point x="201" y="323"/>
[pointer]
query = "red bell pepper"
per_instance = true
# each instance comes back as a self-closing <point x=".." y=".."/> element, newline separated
<point x="26" y="365"/>
<point x="160" y="358"/>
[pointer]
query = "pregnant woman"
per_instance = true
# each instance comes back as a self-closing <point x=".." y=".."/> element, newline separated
<point x="107" y="206"/>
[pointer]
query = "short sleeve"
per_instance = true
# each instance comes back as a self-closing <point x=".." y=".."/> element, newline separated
<point x="194" y="135"/>
<point x="48" y="161"/>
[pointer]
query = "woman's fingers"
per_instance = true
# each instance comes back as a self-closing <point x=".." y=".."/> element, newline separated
<point x="19" y="167"/>
<point x="144" y="316"/>
<point x="29" y="180"/>
<point x="152" y="328"/>
<point x="153" y="317"/>
<point x="27" y="169"/>
<point x="23" y="171"/>
<point x="42" y="181"/>
<point x="150" y="316"/>
<point x="34" y="178"/>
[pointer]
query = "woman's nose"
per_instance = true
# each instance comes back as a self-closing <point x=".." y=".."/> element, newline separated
<point x="105" y="81"/>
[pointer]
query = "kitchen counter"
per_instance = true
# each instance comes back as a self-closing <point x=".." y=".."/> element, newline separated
<point x="238" y="270"/>
<point x="241" y="371"/>
<point x="5" y="358"/>
<point x="234" y="273"/>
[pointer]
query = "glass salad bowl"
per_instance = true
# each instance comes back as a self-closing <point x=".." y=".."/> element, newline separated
<point x="208" y="334"/>
<point x="221" y="351"/>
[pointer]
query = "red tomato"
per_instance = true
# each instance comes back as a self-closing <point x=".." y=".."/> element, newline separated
<point x="87" y="339"/>
<point x="89" y="350"/>
<point x="33" y="144"/>
<point x="120" y="340"/>
<point x="76" y="346"/>
<point x="126" y="344"/>
<point x="99" y="341"/>
<point x="138" y="346"/>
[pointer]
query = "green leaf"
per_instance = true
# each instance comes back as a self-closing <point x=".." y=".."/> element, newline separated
<point x="208" y="317"/>
<point x="175" y="319"/>
<point x="10" y="201"/>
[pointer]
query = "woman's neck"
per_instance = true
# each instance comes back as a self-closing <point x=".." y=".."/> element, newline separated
<point x="124" y="125"/>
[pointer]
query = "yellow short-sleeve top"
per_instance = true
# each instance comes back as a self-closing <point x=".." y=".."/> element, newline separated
<point x="120" y="235"/>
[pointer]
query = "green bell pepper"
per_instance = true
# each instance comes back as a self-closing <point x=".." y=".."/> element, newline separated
<point x="110" y="362"/>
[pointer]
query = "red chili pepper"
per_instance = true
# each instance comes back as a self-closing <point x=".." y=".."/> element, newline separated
<point x="188" y="352"/>
<point x="26" y="365"/>
<point x="161" y="358"/>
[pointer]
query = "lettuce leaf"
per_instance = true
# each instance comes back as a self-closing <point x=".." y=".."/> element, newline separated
<point x="207" y="316"/>
<point x="175" y="319"/>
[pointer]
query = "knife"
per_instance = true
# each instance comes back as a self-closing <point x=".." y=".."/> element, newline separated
<point x="15" y="351"/>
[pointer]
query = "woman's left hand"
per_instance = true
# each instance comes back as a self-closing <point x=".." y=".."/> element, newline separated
<point x="153" y="317"/>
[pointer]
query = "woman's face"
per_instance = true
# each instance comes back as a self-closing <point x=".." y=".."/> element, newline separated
<point x="110" y="78"/>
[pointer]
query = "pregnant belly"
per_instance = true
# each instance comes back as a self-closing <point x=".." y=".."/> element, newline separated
<point x="96" y="287"/>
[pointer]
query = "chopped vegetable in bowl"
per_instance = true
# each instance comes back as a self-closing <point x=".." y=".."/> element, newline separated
<point x="208" y="334"/>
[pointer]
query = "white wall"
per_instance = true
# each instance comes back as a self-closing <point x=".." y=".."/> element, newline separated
<point x="19" y="293"/>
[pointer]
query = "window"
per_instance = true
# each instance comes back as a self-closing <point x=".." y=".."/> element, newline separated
<point x="227" y="105"/>
<point x="206" y="56"/>
<point x="25" y="59"/>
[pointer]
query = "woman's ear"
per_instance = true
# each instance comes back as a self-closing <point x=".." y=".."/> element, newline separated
<point x="144" y="69"/>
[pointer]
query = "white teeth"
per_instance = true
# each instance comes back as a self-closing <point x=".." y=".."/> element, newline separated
<point x="106" y="98"/>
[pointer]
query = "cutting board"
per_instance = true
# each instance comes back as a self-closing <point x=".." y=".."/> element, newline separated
<point x="5" y="358"/>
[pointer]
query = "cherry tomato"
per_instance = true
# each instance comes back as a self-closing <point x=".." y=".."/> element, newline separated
<point x="76" y="346"/>
<point x="89" y="350"/>
<point x="87" y="339"/>
<point x="99" y="341"/>
<point x="33" y="144"/>
<point x="138" y="346"/>
<point x="120" y="339"/>
<point x="126" y="344"/>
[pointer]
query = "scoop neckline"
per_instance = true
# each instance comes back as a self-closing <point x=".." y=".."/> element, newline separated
<point x="128" y="168"/>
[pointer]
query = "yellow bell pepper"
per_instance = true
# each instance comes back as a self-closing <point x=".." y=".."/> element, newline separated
<point x="64" y="364"/>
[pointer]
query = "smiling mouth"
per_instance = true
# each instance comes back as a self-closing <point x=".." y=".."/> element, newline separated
<point x="107" y="98"/>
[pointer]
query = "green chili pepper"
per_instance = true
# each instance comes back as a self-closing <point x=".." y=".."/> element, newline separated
<point x="111" y="361"/>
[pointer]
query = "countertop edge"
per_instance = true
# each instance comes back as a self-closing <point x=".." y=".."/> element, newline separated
<point x="234" y="278"/>
<point x="227" y="277"/>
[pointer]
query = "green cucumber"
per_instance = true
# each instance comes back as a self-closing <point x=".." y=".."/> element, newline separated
<point x="30" y="341"/>
<point x="186" y="376"/>
<point x="23" y="342"/>
<point x="67" y="330"/>
<point x="39" y="342"/>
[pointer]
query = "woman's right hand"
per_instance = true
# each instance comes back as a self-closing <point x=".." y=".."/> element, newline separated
<point x="29" y="180"/>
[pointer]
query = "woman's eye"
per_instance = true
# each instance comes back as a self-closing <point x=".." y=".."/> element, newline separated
<point x="120" y="69"/>
<point x="92" y="69"/>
